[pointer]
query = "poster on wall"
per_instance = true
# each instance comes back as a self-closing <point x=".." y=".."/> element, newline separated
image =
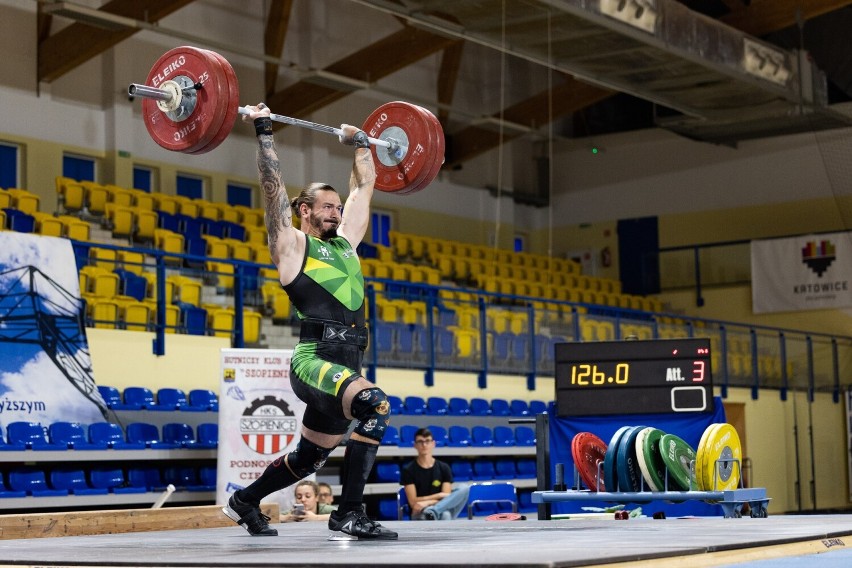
<point x="45" y="365"/>
<point x="811" y="272"/>
<point x="259" y="419"/>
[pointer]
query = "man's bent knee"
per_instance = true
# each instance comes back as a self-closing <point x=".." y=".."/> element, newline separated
<point x="372" y="410"/>
<point x="307" y="458"/>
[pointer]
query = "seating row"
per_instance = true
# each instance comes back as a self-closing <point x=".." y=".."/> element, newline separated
<point x="167" y="398"/>
<point x="458" y="436"/>
<point x="21" y="435"/>
<point x="467" y="470"/>
<point x="62" y="481"/>
<point x="457" y="406"/>
<point x="484" y="498"/>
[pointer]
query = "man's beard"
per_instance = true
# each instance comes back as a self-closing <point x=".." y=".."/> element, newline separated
<point x="324" y="234"/>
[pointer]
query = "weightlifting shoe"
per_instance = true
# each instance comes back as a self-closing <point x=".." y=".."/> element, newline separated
<point x="249" y="517"/>
<point x="357" y="524"/>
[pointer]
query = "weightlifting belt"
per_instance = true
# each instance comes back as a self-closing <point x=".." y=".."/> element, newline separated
<point x="332" y="332"/>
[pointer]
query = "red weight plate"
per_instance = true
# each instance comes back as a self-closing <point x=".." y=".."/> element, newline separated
<point x="437" y="156"/>
<point x="230" y="108"/>
<point x="197" y="130"/>
<point x="414" y="166"/>
<point x="219" y="81"/>
<point x="506" y="517"/>
<point x="588" y="451"/>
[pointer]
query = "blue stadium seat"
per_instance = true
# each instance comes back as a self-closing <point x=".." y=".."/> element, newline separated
<point x="6" y="493"/>
<point x="459" y="436"/>
<point x="439" y="434"/>
<point x="384" y="336"/>
<point x="19" y="221"/>
<point x="490" y="498"/>
<point x="415" y="405"/>
<point x="74" y="481"/>
<point x="168" y="221"/>
<point x="112" y="398"/>
<point x="479" y="407"/>
<point x="504" y="468"/>
<point x="445" y="343"/>
<point x="501" y="346"/>
<point x="458" y="406"/>
<point x="179" y="434"/>
<point x="537" y="406"/>
<point x="33" y="482"/>
<point x="519" y="407"/>
<point x="504" y="436"/>
<point x="387" y="472"/>
<point x="387" y="510"/>
<point x="112" y="436"/>
<point x="141" y="398"/>
<point x="207" y="478"/>
<point x="172" y="398"/>
<point x="406" y="435"/>
<point x="203" y="398"/>
<point x="29" y="434"/>
<point x="193" y="319"/>
<point x="462" y="470"/>
<point x="397" y="407"/>
<point x="525" y="468"/>
<point x="6" y="446"/>
<point x="148" y="434"/>
<point x="483" y="470"/>
<point x="71" y="436"/>
<point x="391" y="437"/>
<point x="500" y="407"/>
<point x="132" y="284"/>
<point x="183" y="477"/>
<point x="525" y="504"/>
<point x="524" y="436"/>
<point x="148" y="478"/>
<point x="481" y="436"/>
<point x="436" y="406"/>
<point x="207" y="435"/>
<point x="111" y="479"/>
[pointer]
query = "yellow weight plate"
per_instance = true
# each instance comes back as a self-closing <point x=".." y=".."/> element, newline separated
<point x="701" y="453"/>
<point x="722" y="459"/>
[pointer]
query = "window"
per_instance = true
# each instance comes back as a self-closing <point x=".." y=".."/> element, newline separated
<point x="143" y="178"/>
<point x="190" y="186"/>
<point x="80" y="168"/>
<point x="239" y="194"/>
<point x="380" y="221"/>
<point x="9" y="165"/>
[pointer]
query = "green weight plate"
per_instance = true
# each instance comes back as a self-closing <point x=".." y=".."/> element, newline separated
<point x="610" y="459"/>
<point x="650" y="461"/>
<point x="627" y="469"/>
<point x="678" y="455"/>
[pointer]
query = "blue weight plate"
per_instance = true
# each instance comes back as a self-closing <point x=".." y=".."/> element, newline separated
<point x="610" y="460"/>
<point x="628" y="472"/>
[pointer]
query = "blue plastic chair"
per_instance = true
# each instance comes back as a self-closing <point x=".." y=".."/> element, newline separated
<point x="203" y="398"/>
<point x="406" y="435"/>
<point x="519" y="407"/>
<point x="439" y="434"/>
<point x="387" y="472"/>
<point x="6" y="493"/>
<point x="148" y="434"/>
<point x="462" y="470"/>
<point x="403" y="509"/>
<point x="397" y="407"/>
<point x="391" y="437"/>
<point x="74" y="481"/>
<point x="207" y="435"/>
<point x="141" y="398"/>
<point x="537" y="406"/>
<point x="436" y="406"/>
<point x="172" y="398"/>
<point x="33" y="482"/>
<point x="525" y="468"/>
<point x="459" y="436"/>
<point x="504" y="436"/>
<point x="504" y="468"/>
<point x="148" y="478"/>
<point x="30" y="435"/>
<point x="481" y="436"/>
<point x="112" y="479"/>
<point x="111" y="436"/>
<point x="415" y="405"/>
<point x="184" y="477"/>
<point x="490" y="498"/>
<point x="524" y="436"/>
<point x="207" y="478"/>
<point x="179" y="434"/>
<point x="525" y="504"/>
<point x="112" y="398"/>
<point x="479" y="407"/>
<point x="71" y="436"/>
<point x="484" y="470"/>
<point x="458" y="406"/>
<point x="500" y="407"/>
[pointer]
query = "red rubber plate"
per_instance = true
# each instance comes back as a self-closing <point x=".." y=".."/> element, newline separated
<point x="202" y="125"/>
<point x="588" y="451"/>
<point x="229" y="112"/>
<point x="436" y="154"/>
<point x="419" y="158"/>
<point x="506" y="517"/>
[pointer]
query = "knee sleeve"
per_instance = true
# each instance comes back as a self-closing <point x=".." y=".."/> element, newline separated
<point x="307" y="458"/>
<point x="372" y="409"/>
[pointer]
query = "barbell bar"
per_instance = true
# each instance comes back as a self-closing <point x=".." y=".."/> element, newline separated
<point x="189" y="93"/>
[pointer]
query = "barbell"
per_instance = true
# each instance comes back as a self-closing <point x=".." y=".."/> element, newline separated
<point x="190" y="101"/>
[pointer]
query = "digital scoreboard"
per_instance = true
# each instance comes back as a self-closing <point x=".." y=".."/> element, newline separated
<point x="633" y="377"/>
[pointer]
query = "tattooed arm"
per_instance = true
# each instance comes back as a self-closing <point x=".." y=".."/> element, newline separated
<point x="286" y="243"/>
<point x="356" y="214"/>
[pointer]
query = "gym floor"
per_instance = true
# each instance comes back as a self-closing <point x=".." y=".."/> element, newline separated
<point x="821" y="541"/>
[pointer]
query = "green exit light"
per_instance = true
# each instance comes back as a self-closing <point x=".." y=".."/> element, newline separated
<point x="594" y="150"/>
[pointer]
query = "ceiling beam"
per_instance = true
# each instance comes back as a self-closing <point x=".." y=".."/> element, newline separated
<point x="378" y="60"/>
<point x="447" y="78"/>
<point x="762" y="17"/>
<point x="74" y="45"/>
<point x="277" y="23"/>
<point x="533" y="112"/>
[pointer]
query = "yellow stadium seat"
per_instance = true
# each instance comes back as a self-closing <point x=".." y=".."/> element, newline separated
<point x="71" y="195"/>
<point x="275" y="301"/>
<point x="208" y="209"/>
<point x="134" y="315"/>
<point x="104" y="313"/>
<point x="401" y="244"/>
<point x="120" y="219"/>
<point x="2" y="220"/>
<point x="145" y="224"/>
<point x="5" y="199"/>
<point x="131" y="261"/>
<point x="251" y="326"/>
<point x="241" y="251"/>
<point x="229" y="214"/>
<point x="151" y="290"/>
<point x="253" y="217"/>
<point x="385" y="254"/>
<point x="399" y="272"/>
<point x="172" y="316"/>
<point x="382" y="271"/>
<point x="467" y="341"/>
<point x="187" y="206"/>
<point x="47" y="225"/>
<point x="221" y="321"/>
<point x="186" y="289"/>
<point x="120" y="196"/>
<point x="103" y="258"/>
<point x="256" y="235"/>
<point x="74" y="228"/>
<point x="217" y="248"/>
<point x="418" y="247"/>
<point x="143" y="200"/>
<point x="168" y="241"/>
<point x="222" y="274"/>
<point x="167" y="203"/>
<point x="23" y="200"/>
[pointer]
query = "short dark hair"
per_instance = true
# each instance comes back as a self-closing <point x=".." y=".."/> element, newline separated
<point x="423" y="433"/>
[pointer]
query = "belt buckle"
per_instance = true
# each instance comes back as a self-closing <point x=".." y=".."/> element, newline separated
<point x="334" y="333"/>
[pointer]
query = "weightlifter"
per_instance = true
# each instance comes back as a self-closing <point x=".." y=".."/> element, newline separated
<point x="319" y="270"/>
